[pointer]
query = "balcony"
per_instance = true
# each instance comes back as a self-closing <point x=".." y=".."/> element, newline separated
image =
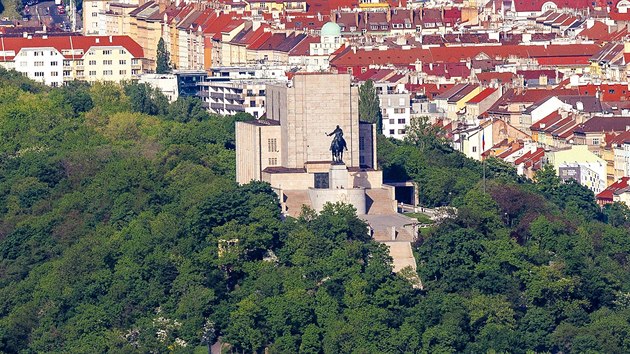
<point x="235" y="107"/>
<point x="233" y="96"/>
<point x="216" y="106"/>
<point x="217" y="95"/>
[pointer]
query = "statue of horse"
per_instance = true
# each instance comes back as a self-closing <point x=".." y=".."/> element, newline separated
<point x="337" y="147"/>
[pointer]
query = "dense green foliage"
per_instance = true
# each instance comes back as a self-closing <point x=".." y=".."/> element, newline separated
<point x="369" y="105"/>
<point x="524" y="266"/>
<point x="122" y="230"/>
<point x="163" y="60"/>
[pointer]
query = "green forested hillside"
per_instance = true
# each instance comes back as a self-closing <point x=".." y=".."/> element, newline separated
<point x="122" y="230"/>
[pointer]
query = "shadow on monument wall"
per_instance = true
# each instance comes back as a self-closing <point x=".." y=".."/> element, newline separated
<point x="361" y="180"/>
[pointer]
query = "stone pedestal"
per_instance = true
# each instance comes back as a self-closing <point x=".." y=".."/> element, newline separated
<point x="338" y="176"/>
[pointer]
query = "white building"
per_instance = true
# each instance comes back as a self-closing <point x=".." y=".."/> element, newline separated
<point x="396" y="112"/>
<point x="56" y="59"/>
<point x="582" y="165"/>
<point x="622" y="159"/>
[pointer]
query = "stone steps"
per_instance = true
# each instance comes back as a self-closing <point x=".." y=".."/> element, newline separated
<point x="379" y="202"/>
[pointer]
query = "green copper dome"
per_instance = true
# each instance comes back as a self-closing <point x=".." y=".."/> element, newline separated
<point x="331" y="29"/>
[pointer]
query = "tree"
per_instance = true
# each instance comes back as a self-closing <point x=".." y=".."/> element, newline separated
<point x="369" y="106"/>
<point x="423" y="134"/>
<point x="163" y="58"/>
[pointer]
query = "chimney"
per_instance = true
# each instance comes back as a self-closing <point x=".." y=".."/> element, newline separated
<point x="24" y="34"/>
<point x="110" y="39"/>
<point x="97" y="40"/>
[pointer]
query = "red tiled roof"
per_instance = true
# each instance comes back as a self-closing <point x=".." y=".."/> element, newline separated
<point x="555" y="61"/>
<point x="552" y="118"/>
<point x="482" y="95"/>
<point x="599" y="30"/>
<point x="572" y="52"/>
<point x="304" y="47"/>
<point x="487" y="77"/>
<point x="608" y="193"/>
<point x="536" y="5"/>
<point x="607" y="92"/>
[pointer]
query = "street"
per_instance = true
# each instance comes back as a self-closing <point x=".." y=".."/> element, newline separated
<point x="47" y="13"/>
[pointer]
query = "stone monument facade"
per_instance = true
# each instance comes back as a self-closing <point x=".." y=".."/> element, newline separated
<point x="291" y="149"/>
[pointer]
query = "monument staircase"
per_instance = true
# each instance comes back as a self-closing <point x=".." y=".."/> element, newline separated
<point x="294" y="201"/>
<point x="379" y="202"/>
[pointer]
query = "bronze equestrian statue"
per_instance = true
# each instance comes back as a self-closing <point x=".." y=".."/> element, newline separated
<point x="337" y="146"/>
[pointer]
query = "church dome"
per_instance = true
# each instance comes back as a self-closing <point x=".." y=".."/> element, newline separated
<point x="331" y="29"/>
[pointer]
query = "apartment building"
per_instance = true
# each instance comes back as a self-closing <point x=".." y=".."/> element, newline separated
<point x="55" y="60"/>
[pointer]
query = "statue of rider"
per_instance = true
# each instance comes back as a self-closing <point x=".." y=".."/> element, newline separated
<point x="338" y="143"/>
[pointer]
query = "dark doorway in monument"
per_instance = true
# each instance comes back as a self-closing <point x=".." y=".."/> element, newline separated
<point x="321" y="180"/>
<point x="404" y="194"/>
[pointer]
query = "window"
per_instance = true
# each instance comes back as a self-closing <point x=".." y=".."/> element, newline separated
<point x="39" y="74"/>
<point x="38" y="54"/>
<point x="122" y="72"/>
<point x="252" y="103"/>
<point x="272" y="145"/>
<point x="92" y="62"/>
<point x="38" y="63"/>
<point x="80" y="62"/>
<point x="595" y="141"/>
<point x="92" y="73"/>
<point x="54" y="63"/>
<point x="123" y="52"/>
<point x="66" y="73"/>
<point x="250" y="92"/>
<point x="401" y="102"/>
<point x="402" y="121"/>
<point x="67" y="63"/>
<point x="54" y="73"/>
<point x="399" y="110"/>
<point x="134" y="61"/>
<point x="350" y="71"/>
<point x="474" y="149"/>
<point x="107" y="72"/>
<point x="363" y="69"/>
<point x="23" y="63"/>
<point x="94" y="14"/>
<point x="107" y="62"/>
<point x="401" y="131"/>
<point x="107" y="52"/>
<point x="392" y="121"/>
<point x="122" y="62"/>
<point x="391" y="132"/>
<point x="261" y="92"/>
<point x="273" y="161"/>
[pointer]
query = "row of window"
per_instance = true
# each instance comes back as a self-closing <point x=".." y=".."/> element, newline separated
<point x="79" y="63"/>
<point x="393" y="131"/>
<point x="400" y="121"/>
